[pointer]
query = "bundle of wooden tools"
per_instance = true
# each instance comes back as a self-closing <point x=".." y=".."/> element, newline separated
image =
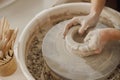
<point x="7" y="40"/>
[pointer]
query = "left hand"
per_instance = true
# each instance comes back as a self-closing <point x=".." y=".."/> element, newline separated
<point x="96" y="40"/>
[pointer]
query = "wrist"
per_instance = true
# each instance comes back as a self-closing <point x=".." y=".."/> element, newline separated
<point x="97" y="6"/>
<point x="111" y="34"/>
<point x="93" y="18"/>
<point x="94" y="14"/>
<point x="105" y="36"/>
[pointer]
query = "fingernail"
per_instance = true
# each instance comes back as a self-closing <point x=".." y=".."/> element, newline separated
<point x="80" y="32"/>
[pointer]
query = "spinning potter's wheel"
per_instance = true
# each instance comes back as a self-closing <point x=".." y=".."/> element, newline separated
<point x="71" y="66"/>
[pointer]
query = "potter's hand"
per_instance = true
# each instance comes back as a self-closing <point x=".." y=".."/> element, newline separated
<point x="85" y="21"/>
<point x="96" y="40"/>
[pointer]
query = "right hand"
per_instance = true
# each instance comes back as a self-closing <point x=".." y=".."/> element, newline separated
<point x="96" y="40"/>
<point x="85" y="22"/>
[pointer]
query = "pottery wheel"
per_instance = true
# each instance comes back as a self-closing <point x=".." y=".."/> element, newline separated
<point x="71" y="66"/>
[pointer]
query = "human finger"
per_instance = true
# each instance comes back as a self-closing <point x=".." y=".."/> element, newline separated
<point x="68" y="26"/>
<point x="83" y="28"/>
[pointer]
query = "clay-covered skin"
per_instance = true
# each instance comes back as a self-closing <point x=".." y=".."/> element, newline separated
<point x="98" y="38"/>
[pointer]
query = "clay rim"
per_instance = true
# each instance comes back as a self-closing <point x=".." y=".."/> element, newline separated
<point x="70" y="41"/>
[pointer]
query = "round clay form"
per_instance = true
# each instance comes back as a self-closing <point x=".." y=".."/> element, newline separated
<point x="75" y="42"/>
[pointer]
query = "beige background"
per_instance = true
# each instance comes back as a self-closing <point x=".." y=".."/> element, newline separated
<point x="19" y="14"/>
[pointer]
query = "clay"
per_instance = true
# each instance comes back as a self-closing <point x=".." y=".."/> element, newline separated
<point x="75" y="43"/>
<point x="78" y="38"/>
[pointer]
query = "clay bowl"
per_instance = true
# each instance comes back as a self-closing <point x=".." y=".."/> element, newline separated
<point x="49" y="17"/>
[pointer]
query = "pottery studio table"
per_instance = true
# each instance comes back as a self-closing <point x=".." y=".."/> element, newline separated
<point x="19" y="13"/>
